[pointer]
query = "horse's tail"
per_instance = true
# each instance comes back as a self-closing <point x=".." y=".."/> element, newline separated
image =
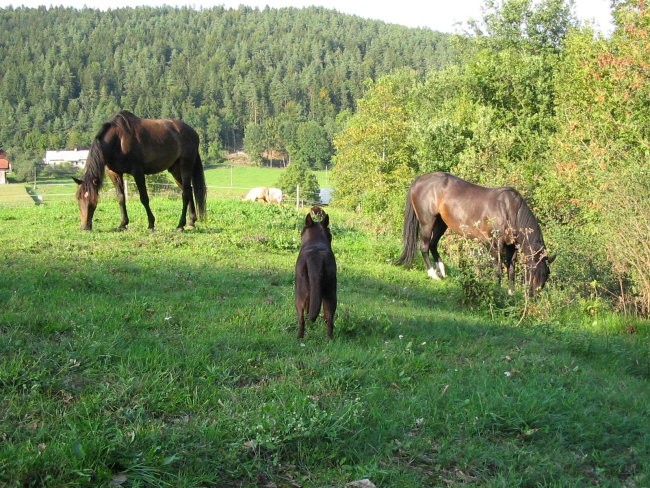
<point x="315" y="293"/>
<point x="199" y="186"/>
<point x="411" y="230"/>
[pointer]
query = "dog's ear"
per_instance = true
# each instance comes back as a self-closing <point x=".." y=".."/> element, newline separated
<point x="326" y="220"/>
<point x="308" y="220"/>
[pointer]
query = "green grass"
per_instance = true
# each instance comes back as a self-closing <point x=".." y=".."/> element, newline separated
<point x="222" y="181"/>
<point x="170" y="359"/>
<point x="251" y="176"/>
<point x="14" y="194"/>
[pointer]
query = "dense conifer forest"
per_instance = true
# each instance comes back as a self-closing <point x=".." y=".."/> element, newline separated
<point x="65" y="71"/>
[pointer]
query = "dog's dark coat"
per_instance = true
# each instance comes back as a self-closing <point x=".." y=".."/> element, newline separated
<point x="316" y="273"/>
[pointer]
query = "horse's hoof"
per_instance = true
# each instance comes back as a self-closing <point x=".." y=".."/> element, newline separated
<point x="179" y="229"/>
<point x="432" y="274"/>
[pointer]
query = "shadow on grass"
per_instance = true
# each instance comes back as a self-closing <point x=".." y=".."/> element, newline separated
<point x="155" y="333"/>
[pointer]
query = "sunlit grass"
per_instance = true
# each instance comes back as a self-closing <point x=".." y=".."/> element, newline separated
<point x="223" y="181"/>
<point x="170" y="359"/>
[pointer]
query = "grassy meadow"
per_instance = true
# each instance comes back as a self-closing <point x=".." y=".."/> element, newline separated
<point x="223" y="181"/>
<point x="140" y="359"/>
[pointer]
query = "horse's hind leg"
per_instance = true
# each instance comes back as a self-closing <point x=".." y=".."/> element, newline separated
<point x="184" y="182"/>
<point x="439" y="228"/>
<point x="426" y="236"/>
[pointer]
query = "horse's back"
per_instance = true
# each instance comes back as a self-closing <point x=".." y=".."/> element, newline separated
<point x="255" y="194"/>
<point x="465" y="207"/>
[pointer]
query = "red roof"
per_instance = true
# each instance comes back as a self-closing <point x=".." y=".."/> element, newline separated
<point x="4" y="164"/>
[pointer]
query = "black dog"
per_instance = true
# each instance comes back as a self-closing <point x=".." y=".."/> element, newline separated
<point x="316" y="272"/>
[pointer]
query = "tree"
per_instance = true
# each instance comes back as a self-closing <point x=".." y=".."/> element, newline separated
<point x="254" y="142"/>
<point x="312" y="145"/>
<point x="373" y="157"/>
<point x="25" y="165"/>
<point x="298" y="177"/>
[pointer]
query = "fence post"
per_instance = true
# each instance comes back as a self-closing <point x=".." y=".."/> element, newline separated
<point x="297" y="196"/>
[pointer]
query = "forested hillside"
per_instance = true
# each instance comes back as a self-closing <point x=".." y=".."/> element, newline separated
<point x="64" y="71"/>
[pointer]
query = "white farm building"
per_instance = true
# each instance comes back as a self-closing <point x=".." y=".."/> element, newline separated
<point x="76" y="157"/>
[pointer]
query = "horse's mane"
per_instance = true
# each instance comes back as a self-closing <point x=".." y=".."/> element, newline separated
<point x="93" y="176"/>
<point x="125" y="121"/>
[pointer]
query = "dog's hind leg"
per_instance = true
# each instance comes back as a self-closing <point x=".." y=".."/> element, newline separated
<point x="329" y="308"/>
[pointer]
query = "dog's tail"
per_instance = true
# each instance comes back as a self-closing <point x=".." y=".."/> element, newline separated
<point x="315" y="293"/>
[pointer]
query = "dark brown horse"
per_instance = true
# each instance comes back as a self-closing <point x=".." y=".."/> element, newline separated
<point x="316" y="272"/>
<point x="499" y="217"/>
<point x="139" y="147"/>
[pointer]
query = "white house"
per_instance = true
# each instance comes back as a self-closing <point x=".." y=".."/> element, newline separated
<point x="76" y="157"/>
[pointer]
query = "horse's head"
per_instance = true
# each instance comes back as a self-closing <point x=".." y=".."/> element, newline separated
<point x="538" y="273"/>
<point x="87" y="197"/>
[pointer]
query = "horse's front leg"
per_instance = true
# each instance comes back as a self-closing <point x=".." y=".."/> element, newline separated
<point x="118" y="182"/>
<point x="496" y="250"/>
<point x="509" y="253"/>
<point x="144" y="197"/>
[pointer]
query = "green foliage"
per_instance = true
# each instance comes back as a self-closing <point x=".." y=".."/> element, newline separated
<point x="25" y="166"/>
<point x="524" y="24"/>
<point x="488" y="120"/>
<point x="312" y="145"/>
<point x="255" y="142"/>
<point x="537" y="105"/>
<point x="597" y="184"/>
<point x="373" y="156"/>
<point x="298" y="175"/>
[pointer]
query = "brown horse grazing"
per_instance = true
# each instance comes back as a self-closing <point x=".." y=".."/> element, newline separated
<point x="139" y="147"/>
<point x="316" y="272"/>
<point x="498" y="217"/>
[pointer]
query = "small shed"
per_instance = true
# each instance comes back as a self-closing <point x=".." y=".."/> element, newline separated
<point x="5" y="167"/>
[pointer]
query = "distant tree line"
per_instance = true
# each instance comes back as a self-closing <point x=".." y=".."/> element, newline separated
<point x="279" y="80"/>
